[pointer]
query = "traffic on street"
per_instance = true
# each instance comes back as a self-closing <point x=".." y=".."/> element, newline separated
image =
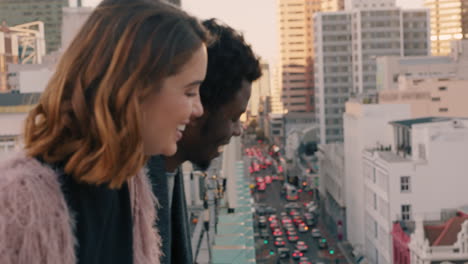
<point x="288" y="228"/>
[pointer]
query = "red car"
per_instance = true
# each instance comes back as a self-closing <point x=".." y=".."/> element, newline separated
<point x="285" y="221"/>
<point x="277" y="232"/>
<point x="279" y="242"/>
<point x="274" y="226"/>
<point x="261" y="186"/>
<point x="297" y="254"/>
<point x="293" y="238"/>
<point x="301" y="246"/>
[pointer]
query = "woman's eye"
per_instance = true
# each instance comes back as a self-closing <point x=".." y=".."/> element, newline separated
<point x="189" y="94"/>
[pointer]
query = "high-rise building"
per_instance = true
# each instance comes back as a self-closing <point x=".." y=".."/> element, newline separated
<point x="297" y="53"/>
<point x="175" y="2"/>
<point x="261" y="89"/>
<point x="15" y="12"/>
<point x="332" y="5"/>
<point x="347" y="44"/>
<point x="449" y="21"/>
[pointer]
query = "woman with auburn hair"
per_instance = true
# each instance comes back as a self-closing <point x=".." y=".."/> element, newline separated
<point x="123" y="91"/>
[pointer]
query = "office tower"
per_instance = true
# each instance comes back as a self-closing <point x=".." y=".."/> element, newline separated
<point x="449" y="21"/>
<point x="296" y="50"/>
<point x="347" y="44"/>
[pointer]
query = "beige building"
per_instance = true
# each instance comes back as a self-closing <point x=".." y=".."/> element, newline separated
<point x="332" y="5"/>
<point x="261" y="89"/>
<point x="297" y="53"/>
<point x="449" y="21"/>
<point x="441" y="97"/>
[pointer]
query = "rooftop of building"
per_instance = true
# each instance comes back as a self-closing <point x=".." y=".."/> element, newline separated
<point x="445" y="234"/>
<point x="423" y="60"/>
<point x="391" y="157"/>
<point x="409" y="123"/>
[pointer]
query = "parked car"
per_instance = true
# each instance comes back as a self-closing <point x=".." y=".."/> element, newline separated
<point x="268" y="179"/>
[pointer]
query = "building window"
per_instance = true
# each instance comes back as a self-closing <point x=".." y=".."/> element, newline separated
<point x="376" y="229"/>
<point x="406" y="212"/>
<point x="443" y="109"/>
<point x="405" y="184"/>
<point x="375" y="201"/>
<point x="442" y="88"/>
<point x="422" y="151"/>
<point x="374" y="178"/>
<point x="435" y="99"/>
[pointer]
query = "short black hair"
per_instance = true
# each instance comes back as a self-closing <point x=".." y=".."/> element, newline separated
<point x="230" y="61"/>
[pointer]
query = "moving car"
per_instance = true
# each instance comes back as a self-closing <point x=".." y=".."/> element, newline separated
<point x="279" y="242"/>
<point x="302" y="228"/>
<point x="316" y="233"/>
<point x="301" y="246"/>
<point x="297" y="254"/>
<point x="323" y="244"/>
<point x="283" y="252"/>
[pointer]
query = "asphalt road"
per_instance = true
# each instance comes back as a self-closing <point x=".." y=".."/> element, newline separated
<point x="272" y="196"/>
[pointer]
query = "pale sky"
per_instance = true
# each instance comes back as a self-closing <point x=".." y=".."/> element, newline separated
<point x="255" y="18"/>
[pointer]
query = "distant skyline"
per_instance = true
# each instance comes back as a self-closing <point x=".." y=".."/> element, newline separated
<point x="256" y="19"/>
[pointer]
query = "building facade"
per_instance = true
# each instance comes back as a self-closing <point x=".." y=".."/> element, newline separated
<point x="449" y="21"/>
<point x="453" y="66"/>
<point x="15" y="12"/>
<point x="261" y="89"/>
<point x="430" y="97"/>
<point x="401" y="239"/>
<point x="347" y="44"/>
<point x="400" y="179"/>
<point x="332" y="186"/>
<point x="365" y="126"/>
<point x="438" y="243"/>
<point x="297" y="53"/>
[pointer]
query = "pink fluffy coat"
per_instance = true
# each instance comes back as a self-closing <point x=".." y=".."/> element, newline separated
<point x="36" y="226"/>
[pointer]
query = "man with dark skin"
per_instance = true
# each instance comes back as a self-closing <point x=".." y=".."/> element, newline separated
<point x="225" y="92"/>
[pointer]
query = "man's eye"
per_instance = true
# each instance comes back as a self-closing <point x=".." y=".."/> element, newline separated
<point x="191" y="94"/>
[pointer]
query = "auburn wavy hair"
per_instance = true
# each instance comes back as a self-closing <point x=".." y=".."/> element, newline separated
<point x="88" y="119"/>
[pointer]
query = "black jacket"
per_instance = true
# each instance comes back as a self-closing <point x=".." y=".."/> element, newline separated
<point x="173" y="225"/>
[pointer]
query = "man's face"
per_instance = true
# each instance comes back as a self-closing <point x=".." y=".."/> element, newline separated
<point x="204" y="138"/>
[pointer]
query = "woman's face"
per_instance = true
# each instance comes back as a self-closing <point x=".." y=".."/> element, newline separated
<point x="168" y="111"/>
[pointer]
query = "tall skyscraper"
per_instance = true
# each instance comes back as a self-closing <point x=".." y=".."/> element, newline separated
<point x="346" y="46"/>
<point x="15" y="12"/>
<point x="332" y="5"/>
<point x="449" y="21"/>
<point x="297" y="53"/>
<point x="261" y="89"/>
<point x="175" y="2"/>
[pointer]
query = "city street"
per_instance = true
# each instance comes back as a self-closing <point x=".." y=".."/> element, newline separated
<point x="266" y="250"/>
